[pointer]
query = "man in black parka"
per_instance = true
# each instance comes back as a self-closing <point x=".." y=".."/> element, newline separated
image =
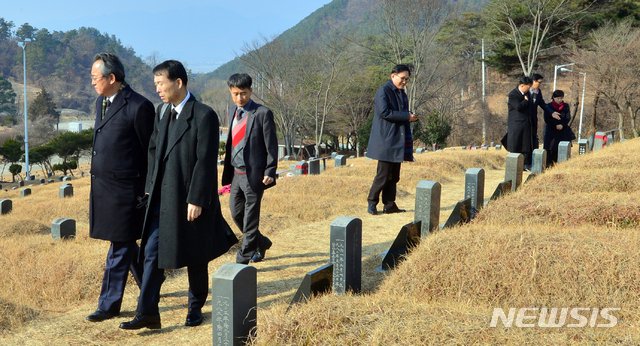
<point x="124" y="122"/>
<point x="183" y="224"/>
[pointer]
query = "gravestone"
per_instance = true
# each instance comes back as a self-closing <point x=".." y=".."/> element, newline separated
<point x="280" y="152"/>
<point x="333" y="155"/>
<point x="32" y="177"/>
<point x="42" y="181"/>
<point x="583" y="147"/>
<point x="564" y="151"/>
<point x="21" y="183"/>
<point x="287" y="157"/>
<point x="623" y="140"/>
<point x="407" y="239"/>
<point x="502" y="189"/>
<point x="498" y="147"/>
<point x="50" y="181"/>
<point x="220" y="162"/>
<point x="314" y="166"/>
<point x="315" y="282"/>
<point x="24" y="192"/>
<point x="301" y="168"/>
<point x="598" y="142"/>
<point x="234" y="303"/>
<point x="66" y="190"/>
<point x="49" y="174"/>
<point x="460" y="214"/>
<point x="63" y="228"/>
<point x="13" y="188"/>
<point x="539" y="161"/>
<point x="592" y="139"/>
<point x="427" y="207"/>
<point x="610" y="139"/>
<point x="66" y="178"/>
<point x="492" y="144"/>
<point x="419" y="151"/>
<point x="61" y="177"/>
<point x="346" y="254"/>
<point x="474" y="189"/>
<point x="513" y="169"/>
<point x="340" y="160"/>
<point x="352" y="157"/>
<point x="6" y="205"/>
<point x="485" y="148"/>
<point x="292" y="168"/>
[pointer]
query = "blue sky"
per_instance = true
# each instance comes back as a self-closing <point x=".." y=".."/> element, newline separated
<point x="203" y="34"/>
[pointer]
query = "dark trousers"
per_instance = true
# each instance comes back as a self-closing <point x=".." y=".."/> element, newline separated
<point x="552" y="157"/>
<point x="245" y="211"/>
<point x="528" y="158"/>
<point x="120" y="259"/>
<point x="153" y="276"/>
<point x="387" y="177"/>
<point x="198" y="285"/>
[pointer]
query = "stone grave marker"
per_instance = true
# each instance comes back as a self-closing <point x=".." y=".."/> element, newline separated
<point x="340" y="160"/>
<point x="66" y="178"/>
<point x="65" y="190"/>
<point x="427" y="207"/>
<point x="63" y="228"/>
<point x="50" y="181"/>
<point x="346" y="254"/>
<point x="13" y="188"/>
<point x="502" y="189"/>
<point x="513" y="169"/>
<point x="234" y="298"/>
<point x="610" y="139"/>
<point x="564" y="151"/>
<point x="539" y="161"/>
<point x="314" y="166"/>
<point x="498" y="147"/>
<point x="220" y="162"/>
<point x="352" y="157"/>
<point x="408" y="238"/>
<point x="315" y="282"/>
<point x="21" y="183"/>
<point x="287" y="157"/>
<point x="6" y="205"/>
<point x="583" y="147"/>
<point x="474" y="189"/>
<point x="49" y="174"/>
<point x="301" y="168"/>
<point x="61" y="178"/>
<point x="24" y="192"/>
<point x="460" y="214"/>
<point x="419" y="151"/>
<point x="598" y="142"/>
<point x="42" y="181"/>
<point x="492" y="144"/>
<point x="333" y="155"/>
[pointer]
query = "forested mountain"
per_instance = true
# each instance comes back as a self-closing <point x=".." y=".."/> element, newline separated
<point x="61" y="62"/>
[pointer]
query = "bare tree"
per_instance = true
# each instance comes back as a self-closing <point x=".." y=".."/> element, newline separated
<point x="612" y="61"/>
<point x="530" y="25"/>
<point x="153" y="59"/>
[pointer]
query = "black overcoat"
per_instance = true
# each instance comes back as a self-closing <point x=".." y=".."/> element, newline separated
<point x="553" y="136"/>
<point x="520" y="135"/>
<point x="387" y="139"/>
<point x="119" y="167"/>
<point x="183" y="169"/>
<point x="260" y="150"/>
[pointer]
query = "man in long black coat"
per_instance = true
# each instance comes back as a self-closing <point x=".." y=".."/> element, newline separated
<point x="124" y="122"/>
<point x="390" y="141"/>
<point x="183" y="224"/>
<point x="520" y="122"/>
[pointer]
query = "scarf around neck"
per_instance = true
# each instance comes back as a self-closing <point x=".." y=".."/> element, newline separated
<point x="557" y="106"/>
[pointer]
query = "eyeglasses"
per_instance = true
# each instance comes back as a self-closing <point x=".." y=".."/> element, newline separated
<point x="406" y="80"/>
<point x="96" y="79"/>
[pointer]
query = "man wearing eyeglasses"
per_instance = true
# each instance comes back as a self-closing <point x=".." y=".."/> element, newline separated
<point x="124" y="122"/>
<point x="390" y="142"/>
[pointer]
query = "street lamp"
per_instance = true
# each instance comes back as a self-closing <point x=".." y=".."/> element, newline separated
<point x="23" y="44"/>
<point x="584" y="84"/>
<point x="555" y="73"/>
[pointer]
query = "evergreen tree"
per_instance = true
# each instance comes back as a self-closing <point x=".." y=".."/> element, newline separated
<point x="42" y="106"/>
<point x="7" y="97"/>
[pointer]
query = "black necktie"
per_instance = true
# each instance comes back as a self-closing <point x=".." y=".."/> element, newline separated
<point x="173" y="117"/>
<point x="240" y="114"/>
<point x="106" y="107"/>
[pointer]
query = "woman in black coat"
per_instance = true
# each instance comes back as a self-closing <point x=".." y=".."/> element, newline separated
<point x="558" y="129"/>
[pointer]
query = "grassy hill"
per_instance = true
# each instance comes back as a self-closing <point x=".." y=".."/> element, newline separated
<point x="567" y="238"/>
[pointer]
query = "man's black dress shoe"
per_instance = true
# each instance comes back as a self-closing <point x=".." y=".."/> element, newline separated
<point x="142" y="321"/>
<point x="194" y="317"/>
<point x="372" y="210"/>
<point x="100" y="316"/>
<point x="262" y="250"/>
<point x="393" y="209"/>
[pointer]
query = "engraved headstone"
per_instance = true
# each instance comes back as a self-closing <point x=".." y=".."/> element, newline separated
<point x="352" y="157"/>
<point x="66" y="190"/>
<point x="42" y="181"/>
<point x="474" y="189"/>
<point x="50" y="181"/>
<point x="287" y="157"/>
<point x="598" y="142"/>
<point x="333" y="155"/>
<point x="301" y="168"/>
<point x="220" y="162"/>
<point x="564" y="151"/>
<point x="66" y="178"/>
<point x="502" y="189"/>
<point x="460" y="214"/>
<point x="539" y="161"/>
<point x="346" y="254"/>
<point x="315" y="282"/>
<point x="498" y="147"/>
<point x="340" y="160"/>
<point x="492" y="144"/>
<point x="21" y="183"/>
<point x="513" y="169"/>
<point x="24" y="192"/>
<point x="63" y="228"/>
<point x="314" y="166"/>
<point x="583" y="147"/>
<point x="610" y="138"/>
<point x="49" y="174"/>
<point x="234" y="298"/>
<point x="419" y="151"/>
<point x="6" y="205"/>
<point x="407" y="239"/>
<point x="427" y="207"/>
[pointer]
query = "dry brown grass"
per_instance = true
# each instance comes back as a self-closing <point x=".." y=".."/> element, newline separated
<point x="566" y="239"/>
